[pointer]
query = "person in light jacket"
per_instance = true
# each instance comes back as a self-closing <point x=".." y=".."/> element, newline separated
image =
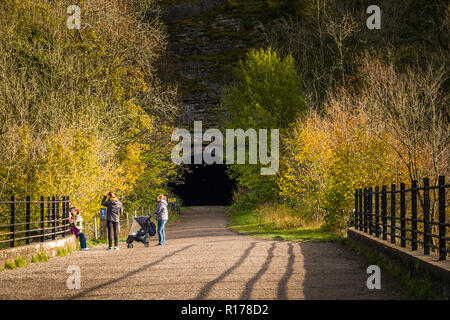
<point x="162" y="215"/>
<point x="113" y="212"/>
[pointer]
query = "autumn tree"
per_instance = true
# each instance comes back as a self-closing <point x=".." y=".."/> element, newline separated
<point x="83" y="111"/>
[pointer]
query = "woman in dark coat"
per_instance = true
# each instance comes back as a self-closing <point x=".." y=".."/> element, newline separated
<point x="113" y="212"/>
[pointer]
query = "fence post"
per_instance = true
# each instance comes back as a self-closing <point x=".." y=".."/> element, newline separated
<point x="58" y="218"/>
<point x="48" y="212"/>
<point x="442" y="249"/>
<point x="377" y="212"/>
<point x="135" y="213"/>
<point x="63" y="219"/>
<point x="393" y="213"/>
<point x="360" y="209"/>
<point x="426" y="216"/>
<point x="95" y="228"/>
<point x="42" y="219"/>
<point x="356" y="209"/>
<point x="127" y="219"/>
<point x="414" y="215"/>
<point x="68" y="231"/>
<point x="28" y="219"/>
<point x="13" y="221"/>
<point x="365" y="209"/>
<point x="54" y="217"/>
<point x="384" y="211"/>
<point x="402" y="216"/>
<point x="370" y="211"/>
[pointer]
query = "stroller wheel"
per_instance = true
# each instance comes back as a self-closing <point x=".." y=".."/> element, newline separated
<point x="130" y="245"/>
<point x="146" y="244"/>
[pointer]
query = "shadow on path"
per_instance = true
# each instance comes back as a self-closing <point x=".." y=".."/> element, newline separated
<point x="250" y="284"/>
<point x="282" y="290"/>
<point x="129" y="274"/>
<point x="178" y="236"/>
<point x="334" y="271"/>
<point x="207" y="288"/>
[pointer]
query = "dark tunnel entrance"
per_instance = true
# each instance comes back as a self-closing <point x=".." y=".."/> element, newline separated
<point x="205" y="185"/>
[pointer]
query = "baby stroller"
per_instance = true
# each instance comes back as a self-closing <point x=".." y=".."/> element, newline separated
<point x="140" y="231"/>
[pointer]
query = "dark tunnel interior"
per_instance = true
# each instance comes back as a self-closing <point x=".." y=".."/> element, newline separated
<point x="205" y="185"/>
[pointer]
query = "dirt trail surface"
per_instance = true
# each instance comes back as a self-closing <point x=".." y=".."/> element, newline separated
<point x="203" y="260"/>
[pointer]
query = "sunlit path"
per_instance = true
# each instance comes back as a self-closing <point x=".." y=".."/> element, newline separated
<point x="203" y="260"/>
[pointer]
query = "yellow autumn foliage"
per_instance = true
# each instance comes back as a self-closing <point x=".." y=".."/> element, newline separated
<point x="329" y="155"/>
<point x="81" y="110"/>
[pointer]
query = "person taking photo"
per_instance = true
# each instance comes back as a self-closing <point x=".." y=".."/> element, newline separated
<point x="113" y="211"/>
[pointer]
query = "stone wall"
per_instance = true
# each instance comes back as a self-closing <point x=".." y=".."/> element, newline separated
<point x="50" y="248"/>
<point x="206" y="40"/>
<point x="418" y="265"/>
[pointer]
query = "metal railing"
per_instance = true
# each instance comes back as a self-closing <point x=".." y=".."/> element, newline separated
<point x="95" y="229"/>
<point x="419" y="223"/>
<point x="25" y="221"/>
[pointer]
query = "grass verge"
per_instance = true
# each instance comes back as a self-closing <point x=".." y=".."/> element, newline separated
<point x="20" y="261"/>
<point x="62" y="252"/>
<point x="41" y="257"/>
<point x="173" y="216"/>
<point x="93" y="243"/>
<point x="10" y="265"/>
<point x="247" y="222"/>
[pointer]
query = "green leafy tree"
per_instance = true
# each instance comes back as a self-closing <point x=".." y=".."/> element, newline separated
<point x="267" y="92"/>
<point x="266" y="95"/>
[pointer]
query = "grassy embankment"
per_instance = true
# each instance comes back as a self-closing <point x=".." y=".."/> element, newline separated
<point x="278" y="223"/>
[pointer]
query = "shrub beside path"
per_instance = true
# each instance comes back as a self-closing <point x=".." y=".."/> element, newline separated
<point x="204" y="260"/>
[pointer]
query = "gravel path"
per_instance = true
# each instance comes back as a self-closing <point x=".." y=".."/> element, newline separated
<point x="203" y="260"/>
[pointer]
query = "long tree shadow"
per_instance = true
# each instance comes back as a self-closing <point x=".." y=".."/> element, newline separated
<point x="334" y="271"/>
<point x="179" y="235"/>
<point x="251" y="283"/>
<point x="282" y="285"/>
<point x="208" y="287"/>
<point x="129" y="274"/>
